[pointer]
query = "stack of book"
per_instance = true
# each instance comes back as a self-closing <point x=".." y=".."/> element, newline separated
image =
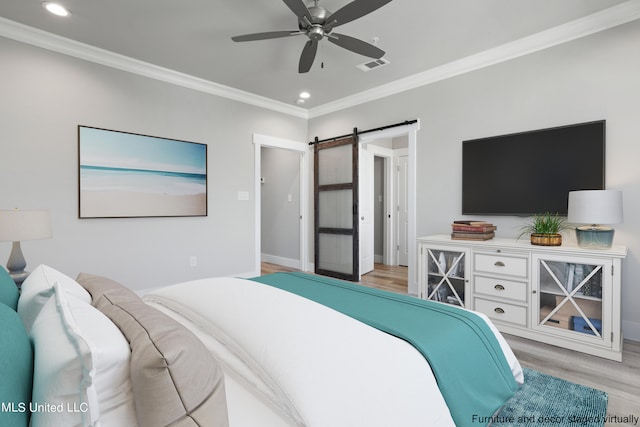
<point x="472" y="230"/>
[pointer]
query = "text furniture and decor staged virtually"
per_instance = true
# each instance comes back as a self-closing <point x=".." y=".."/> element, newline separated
<point x="562" y="295"/>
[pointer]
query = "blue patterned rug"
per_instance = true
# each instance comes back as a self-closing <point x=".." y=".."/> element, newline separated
<point x="544" y="400"/>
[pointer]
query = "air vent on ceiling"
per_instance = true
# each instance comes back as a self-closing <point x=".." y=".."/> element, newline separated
<point x="376" y="63"/>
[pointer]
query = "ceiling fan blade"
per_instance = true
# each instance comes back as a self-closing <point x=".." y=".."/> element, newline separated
<point x="356" y="45"/>
<point x="352" y="11"/>
<point x="265" y="36"/>
<point x="308" y="55"/>
<point x="299" y="8"/>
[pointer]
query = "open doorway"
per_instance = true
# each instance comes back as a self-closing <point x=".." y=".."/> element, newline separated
<point x="388" y="273"/>
<point x="383" y="193"/>
<point x="396" y="149"/>
<point x="286" y="196"/>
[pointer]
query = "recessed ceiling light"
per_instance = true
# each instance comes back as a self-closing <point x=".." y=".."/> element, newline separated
<point x="304" y="95"/>
<point x="56" y="9"/>
<point x="300" y="101"/>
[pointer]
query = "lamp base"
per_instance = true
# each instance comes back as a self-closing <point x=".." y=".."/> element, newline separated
<point x="16" y="265"/>
<point x="18" y="278"/>
<point x="595" y="237"/>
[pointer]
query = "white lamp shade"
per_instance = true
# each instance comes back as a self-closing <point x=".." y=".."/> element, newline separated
<point x="595" y="207"/>
<point x="17" y="225"/>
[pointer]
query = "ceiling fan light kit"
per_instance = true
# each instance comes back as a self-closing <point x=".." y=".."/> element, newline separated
<point x="317" y="23"/>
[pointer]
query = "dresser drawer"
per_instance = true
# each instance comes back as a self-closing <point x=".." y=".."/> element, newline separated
<point x="503" y="312"/>
<point x="501" y="264"/>
<point x="501" y="288"/>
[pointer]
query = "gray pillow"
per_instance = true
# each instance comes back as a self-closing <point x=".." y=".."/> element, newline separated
<point x="98" y="285"/>
<point x="175" y="379"/>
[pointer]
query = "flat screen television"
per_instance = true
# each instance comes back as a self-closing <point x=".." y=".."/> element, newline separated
<point x="532" y="172"/>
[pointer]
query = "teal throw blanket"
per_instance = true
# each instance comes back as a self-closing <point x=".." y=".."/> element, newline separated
<point x="467" y="361"/>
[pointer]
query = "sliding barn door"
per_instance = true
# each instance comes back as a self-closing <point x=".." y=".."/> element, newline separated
<point x="336" y="208"/>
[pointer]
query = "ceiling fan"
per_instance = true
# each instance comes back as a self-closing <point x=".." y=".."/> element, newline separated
<point x="317" y="23"/>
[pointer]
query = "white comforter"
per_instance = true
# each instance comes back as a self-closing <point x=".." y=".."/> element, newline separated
<point x="291" y="361"/>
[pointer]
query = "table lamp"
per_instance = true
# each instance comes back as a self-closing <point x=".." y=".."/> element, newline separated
<point x="595" y="207"/>
<point x="17" y="225"/>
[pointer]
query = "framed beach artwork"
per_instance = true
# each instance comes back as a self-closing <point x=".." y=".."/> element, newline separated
<point x="124" y="175"/>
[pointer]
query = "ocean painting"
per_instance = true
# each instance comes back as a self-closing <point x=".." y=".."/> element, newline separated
<point x="126" y="175"/>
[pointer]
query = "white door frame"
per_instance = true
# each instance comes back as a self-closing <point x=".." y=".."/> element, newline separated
<point x="260" y="141"/>
<point x="411" y="130"/>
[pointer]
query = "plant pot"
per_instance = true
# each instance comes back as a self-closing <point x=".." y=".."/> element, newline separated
<point x="546" y="239"/>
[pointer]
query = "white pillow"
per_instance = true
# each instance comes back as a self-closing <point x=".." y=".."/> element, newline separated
<point x="38" y="288"/>
<point x="81" y="367"/>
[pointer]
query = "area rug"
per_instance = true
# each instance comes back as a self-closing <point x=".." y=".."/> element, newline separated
<point x="544" y="400"/>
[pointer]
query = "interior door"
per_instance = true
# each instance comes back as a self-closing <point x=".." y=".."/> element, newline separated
<point x="366" y="209"/>
<point x="403" y="211"/>
<point x="336" y="209"/>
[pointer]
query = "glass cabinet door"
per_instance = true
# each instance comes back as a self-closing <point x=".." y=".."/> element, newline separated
<point x="570" y="296"/>
<point x="446" y="276"/>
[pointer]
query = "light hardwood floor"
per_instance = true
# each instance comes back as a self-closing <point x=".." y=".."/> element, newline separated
<point x="620" y="380"/>
<point x="387" y="277"/>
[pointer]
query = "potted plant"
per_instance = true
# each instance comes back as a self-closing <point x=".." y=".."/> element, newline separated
<point x="545" y="229"/>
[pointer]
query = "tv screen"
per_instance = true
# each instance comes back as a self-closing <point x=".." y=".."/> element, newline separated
<point x="532" y="172"/>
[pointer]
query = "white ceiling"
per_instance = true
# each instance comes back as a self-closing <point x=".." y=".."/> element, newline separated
<point x="194" y="37"/>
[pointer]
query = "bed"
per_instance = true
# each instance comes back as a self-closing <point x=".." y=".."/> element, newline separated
<point x="278" y="350"/>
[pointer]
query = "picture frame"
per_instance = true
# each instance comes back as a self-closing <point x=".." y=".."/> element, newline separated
<point x="128" y="175"/>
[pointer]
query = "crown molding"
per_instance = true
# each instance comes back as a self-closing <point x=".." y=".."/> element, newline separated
<point x="599" y="21"/>
<point x="33" y="36"/>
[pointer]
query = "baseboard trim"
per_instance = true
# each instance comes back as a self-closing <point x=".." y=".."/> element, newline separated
<point x="286" y="262"/>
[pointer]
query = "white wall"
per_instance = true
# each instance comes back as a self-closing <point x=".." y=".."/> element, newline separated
<point x="280" y="206"/>
<point x="45" y="95"/>
<point x="588" y="79"/>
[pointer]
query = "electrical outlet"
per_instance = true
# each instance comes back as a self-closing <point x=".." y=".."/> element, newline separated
<point x="193" y="261"/>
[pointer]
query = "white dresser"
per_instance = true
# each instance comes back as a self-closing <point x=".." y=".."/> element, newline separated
<point x="562" y="295"/>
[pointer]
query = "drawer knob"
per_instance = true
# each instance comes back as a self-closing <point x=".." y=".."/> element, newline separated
<point x="498" y="310"/>
<point x="499" y="288"/>
<point x="499" y="264"/>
